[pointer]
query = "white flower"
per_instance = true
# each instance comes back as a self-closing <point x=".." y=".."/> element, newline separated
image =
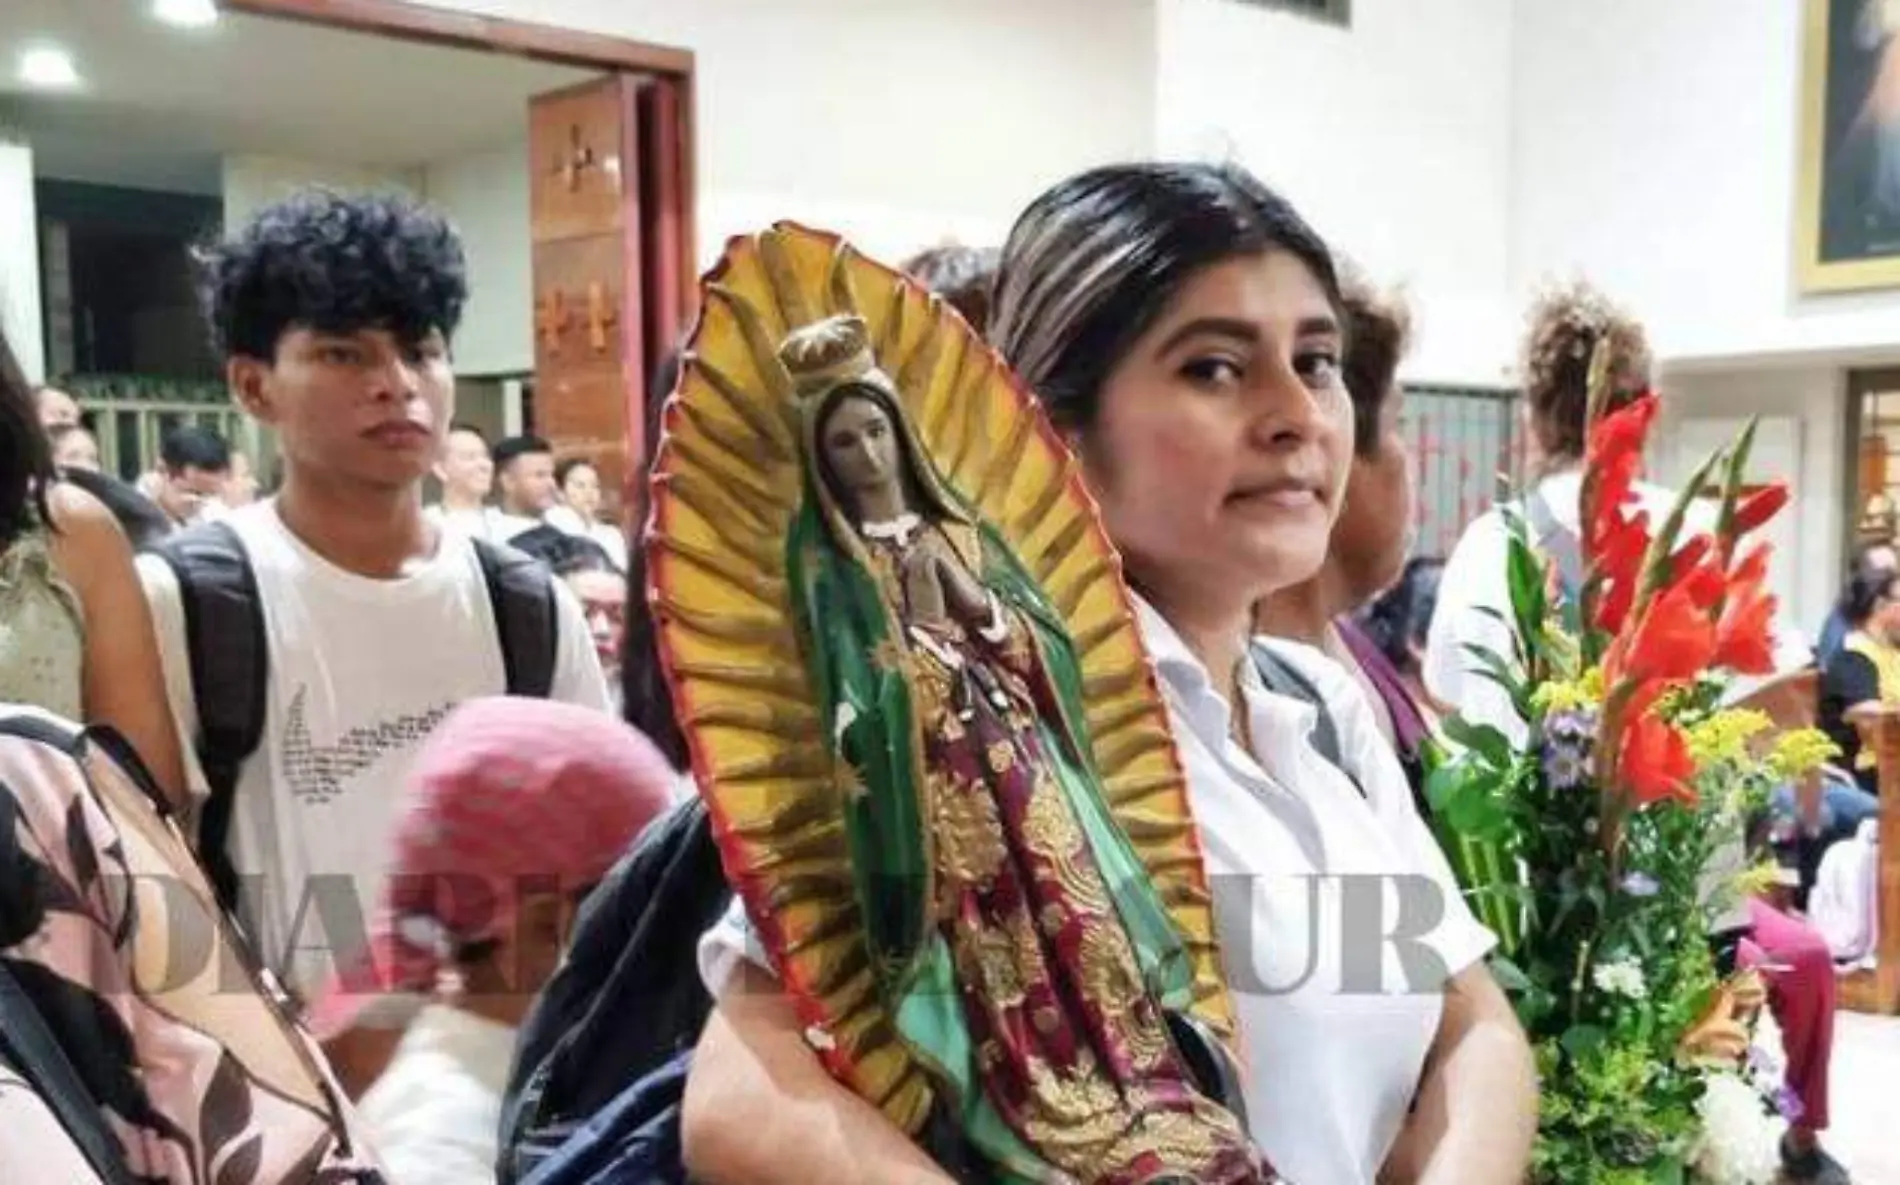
<point x="1621" y="978"/>
<point x="1740" y="1142"/>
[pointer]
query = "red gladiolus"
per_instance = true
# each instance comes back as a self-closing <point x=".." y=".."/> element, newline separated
<point x="1755" y="510"/>
<point x="1654" y="763"/>
<point x="1617" y="555"/>
<point x="1744" y="639"/>
<point x="1674" y="640"/>
<point x="1614" y="452"/>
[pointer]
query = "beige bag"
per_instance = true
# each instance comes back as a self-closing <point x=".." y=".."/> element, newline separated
<point x="186" y="1045"/>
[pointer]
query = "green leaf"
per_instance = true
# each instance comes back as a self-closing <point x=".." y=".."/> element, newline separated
<point x="1668" y="1171"/>
<point x="1579" y="1041"/>
<point x="1483" y="739"/>
<point x="1509" y="975"/>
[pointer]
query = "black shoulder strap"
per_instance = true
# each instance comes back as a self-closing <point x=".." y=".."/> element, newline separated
<point x="30" y="1048"/>
<point x="230" y="660"/>
<point x="1286" y="679"/>
<point x="521" y="592"/>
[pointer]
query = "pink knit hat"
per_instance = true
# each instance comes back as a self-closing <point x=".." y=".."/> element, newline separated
<point x="506" y="795"/>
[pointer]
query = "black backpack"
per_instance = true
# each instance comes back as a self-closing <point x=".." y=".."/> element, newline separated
<point x="229" y="648"/>
<point x="627" y="997"/>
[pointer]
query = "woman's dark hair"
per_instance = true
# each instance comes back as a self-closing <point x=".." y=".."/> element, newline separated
<point x="26" y="459"/>
<point x="139" y="517"/>
<point x="1399" y="621"/>
<point x="564" y="554"/>
<point x="1093" y="262"/>
<point x="1378" y="329"/>
<point x="568" y="466"/>
<point x="647" y="702"/>
<point x="962" y="276"/>
<point x="1865" y="590"/>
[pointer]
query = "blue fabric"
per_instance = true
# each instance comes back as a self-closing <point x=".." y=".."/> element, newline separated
<point x="634" y="1140"/>
<point x="1833" y="637"/>
<point x="1844" y="805"/>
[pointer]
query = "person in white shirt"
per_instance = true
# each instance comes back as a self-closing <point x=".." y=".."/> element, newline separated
<point x="1181" y="324"/>
<point x="1566" y="327"/>
<point x="334" y="316"/>
<point x="524" y="475"/>
<point x="194" y="463"/>
<point x="579" y="511"/>
<point x="467" y="474"/>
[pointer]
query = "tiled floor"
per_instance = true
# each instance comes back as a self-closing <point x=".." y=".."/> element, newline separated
<point x="1864" y="1095"/>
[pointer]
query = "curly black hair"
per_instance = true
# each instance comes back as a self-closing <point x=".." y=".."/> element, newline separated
<point x="322" y="260"/>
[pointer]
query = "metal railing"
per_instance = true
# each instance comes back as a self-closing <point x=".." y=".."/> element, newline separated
<point x="1464" y="440"/>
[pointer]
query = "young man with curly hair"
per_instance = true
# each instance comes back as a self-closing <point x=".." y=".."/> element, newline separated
<point x="333" y="316"/>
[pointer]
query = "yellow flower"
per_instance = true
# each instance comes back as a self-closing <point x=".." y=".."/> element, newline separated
<point x="1756" y="881"/>
<point x="1571" y="695"/>
<point x="1723" y="737"/>
<point x="1801" y="752"/>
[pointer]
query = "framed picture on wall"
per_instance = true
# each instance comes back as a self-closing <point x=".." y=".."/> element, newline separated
<point x="1848" y="235"/>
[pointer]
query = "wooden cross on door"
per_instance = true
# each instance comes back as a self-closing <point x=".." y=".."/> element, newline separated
<point x="579" y="158"/>
<point x="550" y="320"/>
<point x="602" y="314"/>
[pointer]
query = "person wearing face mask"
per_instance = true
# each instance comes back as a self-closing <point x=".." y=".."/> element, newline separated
<point x="1182" y="326"/>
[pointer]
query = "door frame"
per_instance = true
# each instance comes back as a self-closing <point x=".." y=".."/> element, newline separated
<point x="408" y="21"/>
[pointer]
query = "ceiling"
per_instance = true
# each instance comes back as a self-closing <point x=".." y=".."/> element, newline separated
<point x="159" y="106"/>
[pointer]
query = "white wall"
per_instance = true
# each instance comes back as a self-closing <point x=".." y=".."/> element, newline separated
<point x="20" y="260"/>
<point x="486" y="195"/>
<point x="1393" y="138"/>
<point x="1656" y="148"/>
<point x="896" y="122"/>
<point x="1807" y="564"/>
<point x="253" y="182"/>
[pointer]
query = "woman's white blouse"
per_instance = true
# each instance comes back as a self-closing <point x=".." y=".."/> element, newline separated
<point x="1338" y="916"/>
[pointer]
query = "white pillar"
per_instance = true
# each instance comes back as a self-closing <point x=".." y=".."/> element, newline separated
<point x="20" y="258"/>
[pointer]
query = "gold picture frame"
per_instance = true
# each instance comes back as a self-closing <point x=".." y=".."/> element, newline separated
<point x="1847" y="234"/>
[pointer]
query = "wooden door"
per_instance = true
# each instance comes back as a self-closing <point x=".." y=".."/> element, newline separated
<point x="590" y="332"/>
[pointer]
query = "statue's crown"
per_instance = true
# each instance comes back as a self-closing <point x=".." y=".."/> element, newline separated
<point x="826" y="353"/>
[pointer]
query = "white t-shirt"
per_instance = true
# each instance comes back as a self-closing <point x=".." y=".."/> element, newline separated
<point x="612" y="539"/>
<point x="1334" y="1022"/>
<point x="487" y="522"/>
<point x="434" y="1116"/>
<point x="361" y="671"/>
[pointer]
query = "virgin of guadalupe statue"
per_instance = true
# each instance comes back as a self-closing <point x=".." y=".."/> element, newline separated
<point x="930" y="851"/>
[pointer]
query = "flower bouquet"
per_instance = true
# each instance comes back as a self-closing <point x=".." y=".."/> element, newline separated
<point x="1588" y="849"/>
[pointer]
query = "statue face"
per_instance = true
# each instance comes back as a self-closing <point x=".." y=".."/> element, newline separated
<point x="860" y="447"/>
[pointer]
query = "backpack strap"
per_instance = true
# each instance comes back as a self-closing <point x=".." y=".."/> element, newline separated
<point x="28" y="1046"/>
<point x="521" y="593"/>
<point x="1284" y="678"/>
<point x="230" y="657"/>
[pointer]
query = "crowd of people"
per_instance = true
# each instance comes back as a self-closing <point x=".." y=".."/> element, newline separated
<point x="406" y="741"/>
